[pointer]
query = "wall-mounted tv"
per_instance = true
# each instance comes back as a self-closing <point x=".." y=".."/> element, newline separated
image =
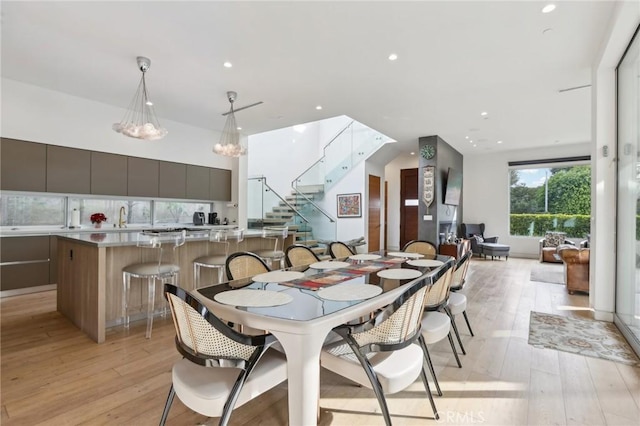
<point x="454" y="187"/>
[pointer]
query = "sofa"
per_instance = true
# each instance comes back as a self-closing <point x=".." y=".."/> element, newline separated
<point x="576" y="268"/>
<point x="549" y="246"/>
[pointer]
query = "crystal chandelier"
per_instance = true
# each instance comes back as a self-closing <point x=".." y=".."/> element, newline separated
<point x="229" y="144"/>
<point x="140" y="120"/>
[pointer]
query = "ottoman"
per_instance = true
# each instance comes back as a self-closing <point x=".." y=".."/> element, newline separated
<point x="494" y="249"/>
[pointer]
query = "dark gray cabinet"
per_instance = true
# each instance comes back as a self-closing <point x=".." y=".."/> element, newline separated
<point x="197" y="182"/>
<point x="24" y="262"/>
<point x="172" y="180"/>
<point x="68" y="170"/>
<point x="220" y="184"/>
<point x="108" y="174"/>
<point x="143" y="177"/>
<point x="23" y="166"/>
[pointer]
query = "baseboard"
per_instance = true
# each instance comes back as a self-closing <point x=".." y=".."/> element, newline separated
<point x="27" y="290"/>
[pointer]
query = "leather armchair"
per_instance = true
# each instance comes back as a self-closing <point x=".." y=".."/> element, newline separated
<point x="472" y="230"/>
<point x="576" y="268"/>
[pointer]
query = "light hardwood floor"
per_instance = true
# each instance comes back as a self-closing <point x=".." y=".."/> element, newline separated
<point x="54" y="375"/>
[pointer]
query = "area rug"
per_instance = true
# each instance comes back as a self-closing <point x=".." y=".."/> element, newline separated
<point x="596" y="339"/>
<point x="548" y="273"/>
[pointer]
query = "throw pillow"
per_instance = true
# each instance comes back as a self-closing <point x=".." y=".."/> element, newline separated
<point x="554" y="239"/>
<point x="478" y="238"/>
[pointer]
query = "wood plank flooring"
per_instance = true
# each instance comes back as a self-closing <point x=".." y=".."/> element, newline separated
<point x="54" y="375"/>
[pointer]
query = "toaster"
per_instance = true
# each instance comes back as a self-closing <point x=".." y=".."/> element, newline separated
<point x="198" y="218"/>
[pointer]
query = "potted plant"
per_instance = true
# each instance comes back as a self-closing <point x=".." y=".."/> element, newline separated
<point x="97" y="219"/>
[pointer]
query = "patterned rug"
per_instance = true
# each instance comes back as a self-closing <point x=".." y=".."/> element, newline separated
<point x="597" y="339"/>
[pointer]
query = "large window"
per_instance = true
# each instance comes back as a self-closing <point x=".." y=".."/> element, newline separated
<point x="32" y="210"/>
<point x="550" y="198"/>
<point x="136" y="212"/>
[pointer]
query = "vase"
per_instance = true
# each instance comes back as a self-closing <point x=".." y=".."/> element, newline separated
<point x="97" y="225"/>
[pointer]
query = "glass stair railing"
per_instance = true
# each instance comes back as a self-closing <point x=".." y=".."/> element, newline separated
<point x="266" y="207"/>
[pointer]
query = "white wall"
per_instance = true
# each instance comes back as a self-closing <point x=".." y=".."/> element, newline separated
<point x="35" y="114"/>
<point x="485" y="189"/>
<point x="624" y="22"/>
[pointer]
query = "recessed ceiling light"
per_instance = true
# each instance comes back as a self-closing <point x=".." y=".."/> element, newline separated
<point x="227" y="64"/>
<point x="470" y="141"/>
<point x="412" y="153"/>
<point x="238" y="128"/>
<point x="393" y="57"/>
<point x="319" y="107"/>
<point x="466" y="137"/>
<point x="499" y="142"/>
<point x="149" y="103"/>
<point x="474" y="145"/>
<point x="549" y="8"/>
<point x="484" y="113"/>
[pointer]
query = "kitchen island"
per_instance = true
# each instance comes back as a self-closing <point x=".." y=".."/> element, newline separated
<point x="90" y="288"/>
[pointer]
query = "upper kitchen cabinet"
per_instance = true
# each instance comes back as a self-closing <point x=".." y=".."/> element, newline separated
<point x="143" y="177"/>
<point x="197" y="182"/>
<point x="23" y="166"/>
<point x="220" y="184"/>
<point x="173" y="180"/>
<point x="68" y="170"/>
<point x="108" y="174"/>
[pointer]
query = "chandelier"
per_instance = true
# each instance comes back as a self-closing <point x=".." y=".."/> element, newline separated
<point x="140" y="120"/>
<point x="229" y="144"/>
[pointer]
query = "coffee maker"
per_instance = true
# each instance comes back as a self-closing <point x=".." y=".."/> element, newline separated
<point x="213" y="219"/>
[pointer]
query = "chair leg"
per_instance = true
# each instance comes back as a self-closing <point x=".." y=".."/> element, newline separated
<point x="466" y="318"/>
<point x="196" y="275"/>
<point x="427" y="358"/>
<point x="423" y="374"/>
<point x="167" y="405"/>
<point x="455" y="329"/>
<point x="377" y="389"/>
<point x="150" y="304"/>
<point x="455" y="352"/>
<point x="126" y="286"/>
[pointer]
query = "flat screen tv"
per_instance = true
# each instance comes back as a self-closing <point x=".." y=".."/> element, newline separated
<point x="454" y="187"/>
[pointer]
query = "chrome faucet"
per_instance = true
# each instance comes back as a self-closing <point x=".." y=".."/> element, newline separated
<point x="121" y="222"/>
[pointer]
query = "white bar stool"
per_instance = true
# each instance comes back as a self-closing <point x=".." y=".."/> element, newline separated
<point x="217" y="261"/>
<point x="163" y="269"/>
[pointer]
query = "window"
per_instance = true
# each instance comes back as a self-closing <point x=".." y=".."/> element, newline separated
<point x="137" y="212"/>
<point x="178" y="212"/>
<point x="39" y="210"/>
<point x="550" y="198"/>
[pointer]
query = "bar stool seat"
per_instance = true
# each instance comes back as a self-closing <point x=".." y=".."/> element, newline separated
<point x="162" y="270"/>
<point x="217" y="261"/>
<point x="274" y="233"/>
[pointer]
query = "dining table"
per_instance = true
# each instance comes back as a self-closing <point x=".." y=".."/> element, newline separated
<point x="301" y="305"/>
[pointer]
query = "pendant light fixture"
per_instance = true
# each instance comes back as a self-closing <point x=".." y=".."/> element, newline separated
<point x="229" y="144"/>
<point x="140" y="120"/>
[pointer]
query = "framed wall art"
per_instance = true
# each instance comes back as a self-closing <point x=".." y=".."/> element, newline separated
<point x="349" y="205"/>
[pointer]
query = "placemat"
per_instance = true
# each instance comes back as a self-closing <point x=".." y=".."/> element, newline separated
<point x="347" y="292"/>
<point x="329" y="264"/>
<point x="365" y="256"/>
<point x="399" y="274"/>
<point x="277" y="276"/>
<point x="253" y="298"/>
<point x="406" y="255"/>
<point x="425" y="263"/>
<point x="365" y="268"/>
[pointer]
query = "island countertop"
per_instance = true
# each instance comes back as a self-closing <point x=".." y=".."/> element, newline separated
<point x="130" y="238"/>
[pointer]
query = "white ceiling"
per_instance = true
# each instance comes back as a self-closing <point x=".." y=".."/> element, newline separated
<point x="455" y="60"/>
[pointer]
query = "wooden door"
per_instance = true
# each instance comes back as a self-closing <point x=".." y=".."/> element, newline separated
<point x="375" y="205"/>
<point x="408" y="205"/>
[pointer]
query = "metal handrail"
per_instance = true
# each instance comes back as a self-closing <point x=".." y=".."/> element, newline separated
<point x="320" y="209"/>
<point x="263" y="179"/>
